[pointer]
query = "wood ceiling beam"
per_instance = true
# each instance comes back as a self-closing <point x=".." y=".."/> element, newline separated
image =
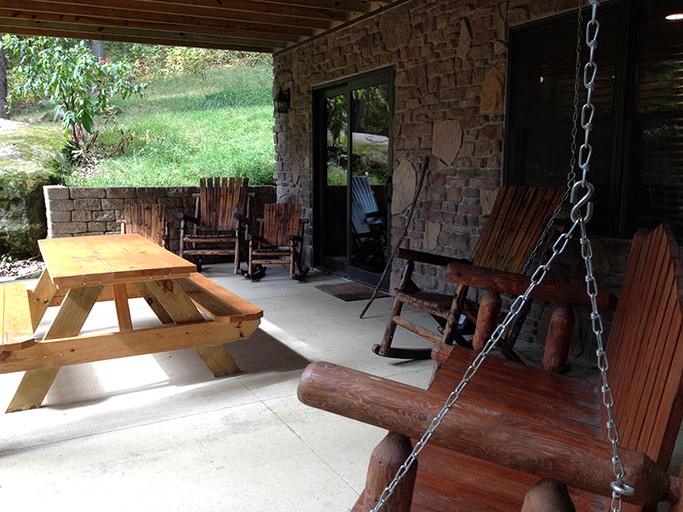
<point x="48" y="11"/>
<point x="357" y="6"/>
<point x="4" y="29"/>
<point x="247" y="6"/>
<point x="76" y="31"/>
<point x="171" y="30"/>
<point x="180" y="14"/>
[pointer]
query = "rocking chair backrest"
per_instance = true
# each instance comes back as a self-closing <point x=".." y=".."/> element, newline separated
<point x="280" y="223"/>
<point x="219" y="200"/>
<point x="510" y="236"/>
<point x="148" y="220"/>
<point x="362" y="204"/>
<point x="645" y="349"/>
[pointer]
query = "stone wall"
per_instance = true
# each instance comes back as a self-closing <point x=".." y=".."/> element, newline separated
<point x="449" y="59"/>
<point x="94" y="211"/>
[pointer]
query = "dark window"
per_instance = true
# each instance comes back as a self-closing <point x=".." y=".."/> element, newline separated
<point x="637" y="167"/>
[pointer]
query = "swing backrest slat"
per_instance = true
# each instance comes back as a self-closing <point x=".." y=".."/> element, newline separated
<point x="645" y="349"/>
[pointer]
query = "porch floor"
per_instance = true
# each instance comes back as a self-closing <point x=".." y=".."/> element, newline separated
<point x="160" y="433"/>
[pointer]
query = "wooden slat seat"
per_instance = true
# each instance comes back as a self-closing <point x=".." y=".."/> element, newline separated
<point x="514" y="424"/>
<point x="16" y="328"/>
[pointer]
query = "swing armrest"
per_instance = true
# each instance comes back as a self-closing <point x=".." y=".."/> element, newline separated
<point x="427" y="257"/>
<point x="500" y="437"/>
<point x="509" y="283"/>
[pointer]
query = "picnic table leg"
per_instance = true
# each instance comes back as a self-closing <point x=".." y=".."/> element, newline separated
<point x="40" y="297"/>
<point x="122" y="308"/>
<point x="35" y="384"/>
<point x="172" y="304"/>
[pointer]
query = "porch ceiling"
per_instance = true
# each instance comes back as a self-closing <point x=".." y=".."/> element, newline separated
<point x="248" y="25"/>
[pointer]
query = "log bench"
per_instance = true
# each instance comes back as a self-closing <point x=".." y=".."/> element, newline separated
<point x="514" y="424"/>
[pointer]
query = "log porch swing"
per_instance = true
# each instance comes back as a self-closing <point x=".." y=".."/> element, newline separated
<point x="484" y="432"/>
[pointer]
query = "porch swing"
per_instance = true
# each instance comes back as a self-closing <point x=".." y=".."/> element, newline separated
<point x="511" y="424"/>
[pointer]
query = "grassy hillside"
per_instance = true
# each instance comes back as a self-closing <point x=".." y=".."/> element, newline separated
<point x="219" y="124"/>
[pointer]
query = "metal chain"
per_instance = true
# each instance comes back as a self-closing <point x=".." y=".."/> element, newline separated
<point x="571" y="174"/>
<point x="619" y="488"/>
<point x="581" y="213"/>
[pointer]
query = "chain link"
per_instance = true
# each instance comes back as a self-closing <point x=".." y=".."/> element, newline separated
<point x="581" y="194"/>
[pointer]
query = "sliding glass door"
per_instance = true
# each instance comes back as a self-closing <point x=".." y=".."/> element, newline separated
<point x="353" y="155"/>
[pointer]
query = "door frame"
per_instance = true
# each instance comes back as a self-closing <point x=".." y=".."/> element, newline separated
<point x="319" y="152"/>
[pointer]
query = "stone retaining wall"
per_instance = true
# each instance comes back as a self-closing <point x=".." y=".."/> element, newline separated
<point x="94" y="211"/>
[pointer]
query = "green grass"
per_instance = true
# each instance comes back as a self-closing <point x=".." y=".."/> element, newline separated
<point x="219" y="124"/>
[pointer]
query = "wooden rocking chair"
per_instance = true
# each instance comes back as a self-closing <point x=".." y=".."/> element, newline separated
<point x="514" y="424"/>
<point x="278" y="241"/>
<point x="148" y="220"/>
<point x="216" y="228"/>
<point x="517" y="220"/>
<point x="367" y="223"/>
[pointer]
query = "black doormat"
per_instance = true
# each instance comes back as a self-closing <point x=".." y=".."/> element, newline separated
<point x="350" y="291"/>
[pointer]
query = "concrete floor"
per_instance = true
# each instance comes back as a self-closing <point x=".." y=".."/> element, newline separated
<point x="160" y="433"/>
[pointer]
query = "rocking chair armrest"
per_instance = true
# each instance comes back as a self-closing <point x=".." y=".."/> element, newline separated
<point x="184" y="217"/>
<point x="502" y="438"/>
<point x="427" y="257"/>
<point x="241" y="217"/>
<point x="509" y="283"/>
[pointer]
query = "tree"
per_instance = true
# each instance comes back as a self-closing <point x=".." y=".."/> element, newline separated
<point x="69" y="74"/>
<point x="4" y="113"/>
<point x="97" y="48"/>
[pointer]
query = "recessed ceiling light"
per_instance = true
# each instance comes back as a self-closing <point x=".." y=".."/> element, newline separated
<point x="677" y="16"/>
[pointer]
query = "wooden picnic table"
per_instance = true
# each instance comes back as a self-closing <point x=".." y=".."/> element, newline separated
<point x="79" y="271"/>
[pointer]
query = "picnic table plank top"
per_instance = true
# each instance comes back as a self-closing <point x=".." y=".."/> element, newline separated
<point x="105" y="259"/>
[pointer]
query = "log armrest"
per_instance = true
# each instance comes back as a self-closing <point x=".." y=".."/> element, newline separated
<point x="503" y="438"/>
<point x="509" y="283"/>
<point x="496" y="282"/>
<point x="426" y="257"/>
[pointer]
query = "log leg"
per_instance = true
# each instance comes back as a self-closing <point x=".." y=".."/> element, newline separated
<point x="237" y="251"/>
<point x="487" y="319"/>
<point x="291" y="259"/>
<point x="558" y="339"/>
<point x="548" y="496"/>
<point x="450" y="329"/>
<point x="386" y="459"/>
<point x="383" y="348"/>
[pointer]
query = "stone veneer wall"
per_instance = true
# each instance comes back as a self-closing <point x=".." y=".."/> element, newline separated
<point x="450" y="63"/>
<point x="94" y="211"/>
